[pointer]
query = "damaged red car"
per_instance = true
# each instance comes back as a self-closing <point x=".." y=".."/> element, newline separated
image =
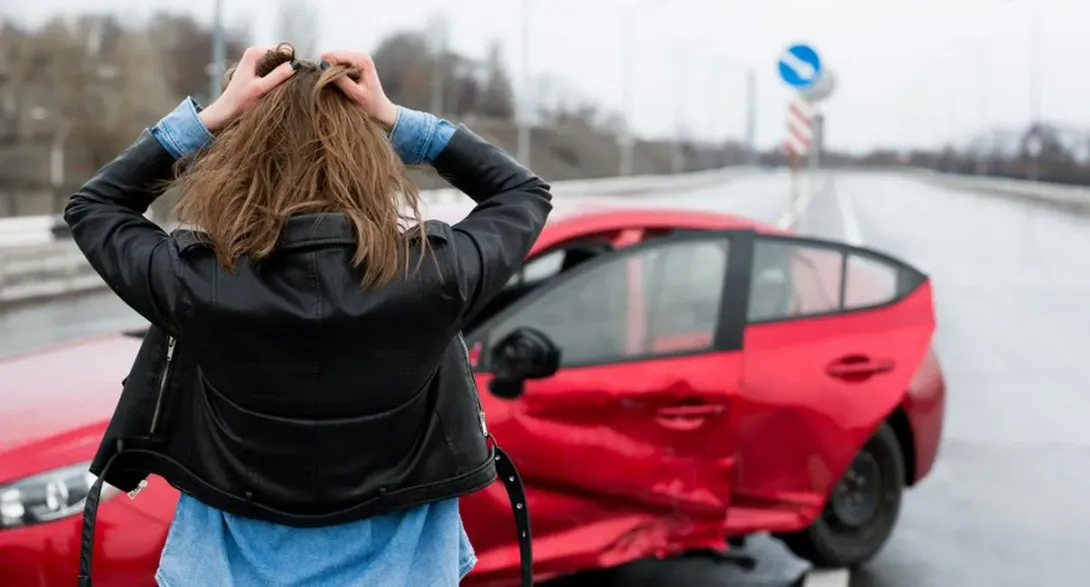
<point x="717" y="378"/>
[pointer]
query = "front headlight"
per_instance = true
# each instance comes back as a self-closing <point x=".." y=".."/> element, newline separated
<point x="48" y="496"/>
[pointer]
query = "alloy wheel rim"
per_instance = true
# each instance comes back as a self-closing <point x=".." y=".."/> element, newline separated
<point x="857" y="498"/>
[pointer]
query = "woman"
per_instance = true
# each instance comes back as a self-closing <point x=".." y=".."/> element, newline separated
<point x="297" y="385"/>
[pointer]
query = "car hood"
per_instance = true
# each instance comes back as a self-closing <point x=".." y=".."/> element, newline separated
<point x="56" y="391"/>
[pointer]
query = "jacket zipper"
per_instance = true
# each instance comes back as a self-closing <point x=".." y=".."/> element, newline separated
<point x="162" y="385"/>
<point x="163" y="379"/>
<point x="473" y="386"/>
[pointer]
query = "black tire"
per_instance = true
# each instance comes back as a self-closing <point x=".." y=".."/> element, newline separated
<point x="846" y="538"/>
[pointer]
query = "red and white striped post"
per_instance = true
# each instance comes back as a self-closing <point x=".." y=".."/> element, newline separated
<point x="800" y="136"/>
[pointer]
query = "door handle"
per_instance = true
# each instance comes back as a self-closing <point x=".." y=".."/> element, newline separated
<point x="688" y="417"/>
<point x="689" y="411"/>
<point x="857" y="367"/>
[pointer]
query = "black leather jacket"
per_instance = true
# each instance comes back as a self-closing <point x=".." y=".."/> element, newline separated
<point x="283" y="391"/>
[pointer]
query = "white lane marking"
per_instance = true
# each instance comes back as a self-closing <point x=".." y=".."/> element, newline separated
<point x="852" y="231"/>
<point x="795" y="211"/>
<point x="803" y="203"/>
<point x="786" y="220"/>
<point x="829" y="578"/>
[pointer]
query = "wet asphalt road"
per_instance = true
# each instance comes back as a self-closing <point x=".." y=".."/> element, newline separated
<point x="1008" y="503"/>
<point x="29" y="326"/>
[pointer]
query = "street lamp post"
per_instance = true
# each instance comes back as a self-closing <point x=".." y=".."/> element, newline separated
<point x="1036" y="53"/>
<point x="678" y="155"/>
<point x="1036" y="50"/>
<point x="749" y="112"/>
<point x="982" y="106"/>
<point x="627" y="140"/>
<point x="439" y="38"/>
<point x="523" y="110"/>
<point x="751" y="115"/>
<point x="982" y="62"/>
<point x="218" y="51"/>
<point x="1035" y="83"/>
<point x="718" y="62"/>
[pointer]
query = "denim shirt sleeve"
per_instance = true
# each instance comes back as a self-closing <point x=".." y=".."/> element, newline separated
<point x="418" y="137"/>
<point x="181" y="132"/>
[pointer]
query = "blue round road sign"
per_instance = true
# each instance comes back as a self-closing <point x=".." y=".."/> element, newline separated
<point x="800" y="66"/>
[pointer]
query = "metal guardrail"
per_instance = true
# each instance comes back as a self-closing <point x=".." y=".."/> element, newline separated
<point x="1068" y="197"/>
<point x="56" y="267"/>
<point x="44" y="270"/>
<point x="26" y="230"/>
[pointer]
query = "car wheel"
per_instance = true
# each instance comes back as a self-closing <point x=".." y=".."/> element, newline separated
<point x="862" y="510"/>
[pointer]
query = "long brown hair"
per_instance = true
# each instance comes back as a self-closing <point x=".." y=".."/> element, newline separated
<point x="304" y="147"/>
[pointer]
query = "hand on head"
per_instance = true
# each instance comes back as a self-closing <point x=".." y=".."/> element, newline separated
<point x="367" y="91"/>
<point x="246" y="87"/>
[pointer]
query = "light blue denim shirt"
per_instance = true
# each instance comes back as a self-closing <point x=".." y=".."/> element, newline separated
<point x="420" y="547"/>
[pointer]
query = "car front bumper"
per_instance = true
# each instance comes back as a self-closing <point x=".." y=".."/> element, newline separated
<point x="128" y="542"/>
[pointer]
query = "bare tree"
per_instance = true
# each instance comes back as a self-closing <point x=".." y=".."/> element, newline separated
<point x="403" y="60"/>
<point x="186" y="47"/>
<point x="298" y="25"/>
<point x="79" y="91"/>
<point x="498" y="99"/>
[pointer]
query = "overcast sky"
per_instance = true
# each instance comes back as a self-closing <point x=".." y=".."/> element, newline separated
<point x="909" y="72"/>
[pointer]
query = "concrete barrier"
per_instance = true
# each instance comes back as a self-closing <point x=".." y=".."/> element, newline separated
<point x="35" y="265"/>
<point x="38" y="230"/>
<point x="1065" y="197"/>
<point x="42" y="271"/>
<point x="29" y="231"/>
<point x="26" y="231"/>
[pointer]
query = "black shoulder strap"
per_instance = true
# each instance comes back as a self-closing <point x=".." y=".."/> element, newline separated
<point x="87" y="532"/>
<point x="509" y="475"/>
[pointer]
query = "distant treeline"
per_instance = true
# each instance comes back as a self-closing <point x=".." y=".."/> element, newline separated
<point x="76" y="90"/>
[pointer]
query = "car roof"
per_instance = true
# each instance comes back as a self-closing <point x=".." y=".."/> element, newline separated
<point x="571" y="219"/>
<point x="574" y="215"/>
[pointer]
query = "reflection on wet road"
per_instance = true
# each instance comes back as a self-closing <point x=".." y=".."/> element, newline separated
<point x="1007" y="501"/>
<point x="29" y="326"/>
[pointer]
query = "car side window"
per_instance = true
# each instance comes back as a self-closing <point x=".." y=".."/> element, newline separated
<point x="552" y="263"/>
<point x="791" y="280"/>
<point x="795" y="279"/>
<point x="539" y="269"/>
<point x="657" y="300"/>
<point x="584" y="316"/>
<point x="869" y="282"/>
<point x="684" y="294"/>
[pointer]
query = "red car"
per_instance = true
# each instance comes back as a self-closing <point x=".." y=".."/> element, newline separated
<point x="717" y="378"/>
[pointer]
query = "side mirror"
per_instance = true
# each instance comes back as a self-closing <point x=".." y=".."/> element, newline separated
<point x="523" y="354"/>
